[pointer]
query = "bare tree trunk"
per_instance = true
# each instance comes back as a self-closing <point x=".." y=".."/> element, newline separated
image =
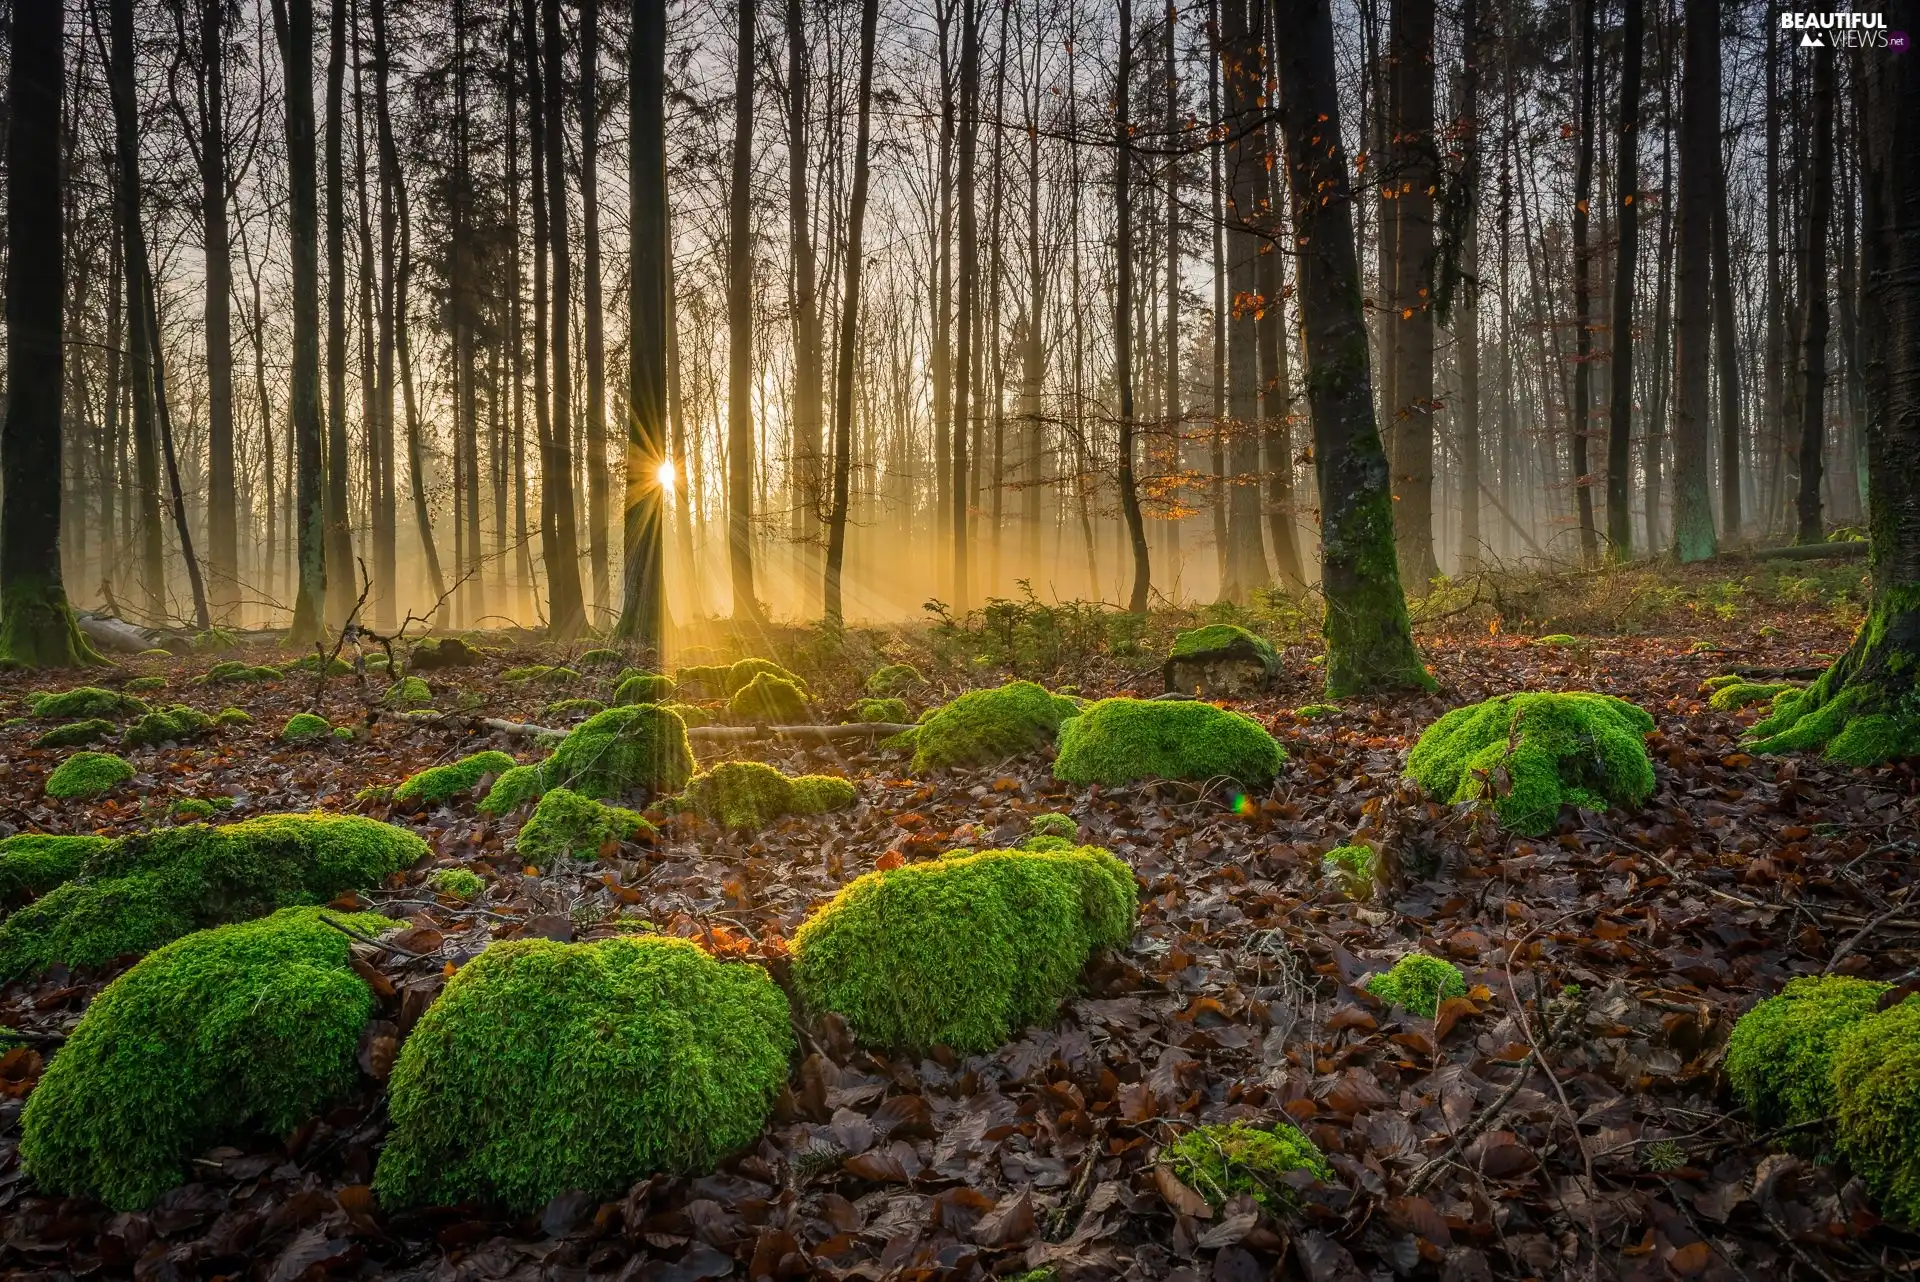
<point x="341" y="581"/>
<point x="1693" y="532"/>
<point x="1123" y="309"/>
<point x="567" y="616"/>
<point x="746" y="605"/>
<point x="1246" y="163"/>
<point x="1727" y="372"/>
<point x="968" y="290"/>
<point x="805" y="303"/>
<point x="643" y="612"/>
<point x="1466" y="216"/>
<point x="1216" y="438"/>
<point x="223" y="550"/>
<point x="1415" y="170"/>
<point x="1620" y="411"/>
<point x="1582" y="285"/>
<point x="1813" y="339"/>
<point x="592" y="322"/>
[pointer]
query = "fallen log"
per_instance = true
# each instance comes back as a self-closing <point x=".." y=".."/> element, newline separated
<point x="1849" y="550"/>
<point x="852" y="731"/>
<point x="117" y="635"/>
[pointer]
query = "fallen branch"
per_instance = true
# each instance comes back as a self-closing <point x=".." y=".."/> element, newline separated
<point x="704" y="734"/>
<point x="1851" y="549"/>
<point x="1840" y="954"/>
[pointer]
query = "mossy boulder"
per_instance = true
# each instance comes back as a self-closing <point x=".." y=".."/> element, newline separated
<point x="707" y="680"/>
<point x="1053" y="824"/>
<point x="234" y="672"/>
<point x="1554" y="640"/>
<point x="1876" y="1093"/>
<point x="1121" y="741"/>
<point x="1314" y="711"/>
<point x="191" y="810"/>
<point x="1740" y="694"/>
<point x="752" y="794"/>
<point x="566" y="825"/>
<point x="962" y="952"/>
<point x="150" y="888"/>
<point x="895" y="680"/>
<point x="216" y="1038"/>
<point x="1419" y="982"/>
<point x="75" y="733"/>
<point x="1780" y="1056"/>
<point x="306" y="727"/>
<point x="442" y="652"/>
<point x="643" y="687"/>
<point x="86" y="775"/>
<point x="639" y="748"/>
<point x="894" y="711"/>
<point x="769" y="700"/>
<point x="1219" y="661"/>
<point x="545" y="1068"/>
<point x="982" y="727"/>
<point x="600" y="658"/>
<point x="574" y="707"/>
<point x="85" y="701"/>
<point x="1351" y="869"/>
<point x="232" y="717"/>
<point x="514" y="789"/>
<point x="541" y="674"/>
<point x="742" y="674"/>
<point x="690" y="714"/>
<point x="145" y="685"/>
<point x="176" y="724"/>
<point x="1535" y="752"/>
<point x="436" y="784"/>
<point x="408" y="692"/>
<point x="1270" y="1165"/>
<point x="33" y="863"/>
<point x="460" y="883"/>
<point x="331" y="665"/>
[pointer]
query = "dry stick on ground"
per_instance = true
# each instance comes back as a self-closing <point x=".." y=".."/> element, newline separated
<point x="707" y="734"/>
<point x="1860" y="935"/>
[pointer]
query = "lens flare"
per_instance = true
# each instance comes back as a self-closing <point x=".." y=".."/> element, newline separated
<point x="664" y="475"/>
<point x="1243" y="805"/>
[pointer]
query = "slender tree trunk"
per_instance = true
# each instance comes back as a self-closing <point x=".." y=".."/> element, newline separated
<point x="341" y="580"/>
<point x="378" y="264"/>
<point x="805" y="303"/>
<point x="591" y="323"/>
<point x="1369" y="639"/>
<point x="746" y="605"/>
<point x="1414" y="173"/>
<point x="567" y="617"/>
<point x="223" y="549"/>
<point x="1170" y="407"/>
<point x="1467" y="333"/>
<point x="1588" y="127"/>
<point x="1656" y="429"/>
<point x="1813" y="271"/>
<point x="1693" y="531"/>
<point x="1620" y="411"/>
<point x="1123" y="309"/>
<point x="968" y="291"/>
<point x="1246" y="162"/>
<point x="1216" y="438"/>
<point x="1727" y="372"/>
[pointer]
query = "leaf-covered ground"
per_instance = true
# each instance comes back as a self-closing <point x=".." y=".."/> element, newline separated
<point x="1619" y="1154"/>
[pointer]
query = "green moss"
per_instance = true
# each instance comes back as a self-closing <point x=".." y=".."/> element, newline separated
<point x="1876" y="1092"/>
<point x="601" y="658"/>
<point x="644" y="687"/>
<point x="894" y="680"/>
<point x="514" y="789"/>
<point x="154" y="652"/>
<point x="216" y="639"/>
<point x="233" y="672"/>
<point x="190" y="810"/>
<point x="141" y="685"/>
<point x="742" y="674"/>
<point x="1780" y="1056"/>
<point x="1419" y="982"/>
<point x="1053" y="825"/>
<point x="752" y="794"/>
<point x="177" y="724"/>
<point x="408" y="692"/>
<point x="545" y="1067"/>
<point x="460" y="883"/>
<point x="690" y="714"/>
<point x="1219" y="638"/>
<point x="1720" y="682"/>
<point x="541" y="674"/>
<point x="1121" y="741"/>
<point x="334" y="666"/>
<point x="1864" y="709"/>
<point x="1535" y="752"/>
<point x="769" y="700"/>
<point x="1733" y="697"/>
<point x="570" y="707"/>
<point x="150" y="888"/>
<point x="570" y="826"/>
<point x="75" y="733"/>
<point x="33" y="863"/>
<point x="441" y="652"/>
<point x="436" y="784"/>
<point x="894" y="711"/>
<point x="982" y="727"/>
<point x="86" y="775"/>
<point x="1222" y="1161"/>
<point x="232" y="717"/>
<point x="640" y="748"/>
<point x="708" y="679"/>
<point x="85" y="701"/>
<point x="1312" y="711"/>
<point x="962" y="952"/>
<point x="1352" y="868"/>
<point x="216" y="1038"/>
<point x="1556" y="639"/>
<point x="305" y="727"/>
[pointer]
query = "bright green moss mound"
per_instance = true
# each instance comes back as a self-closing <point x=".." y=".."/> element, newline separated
<point x="1720" y="682"/>
<point x="982" y="727"/>
<point x="1876" y="1092"/>
<point x="86" y="775"/>
<point x="690" y="714"/>
<point x="601" y="658"/>
<point x="894" y="711"/>
<point x="742" y="674"/>
<point x="566" y="825"/>
<point x="1121" y="741"/>
<point x="148" y="889"/>
<point x="85" y="701"/>
<point x="1053" y="825"/>
<point x="1351" y="867"/>
<point x="233" y="672"/>
<point x="305" y="727"/>
<point x="545" y="1067"/>
<point x="514" y="789"/>
<point x="769" y="700"/>
<point x="408" y="692"/>
<point x="232" y="717"/>
<point x="75" y="733"/>
<point x="962" y="952"/>
<point x="436" y="784"/>
<point x="706" y="679"/>
<point x="1780" y="1057"/>
<point x="461" y="883"/>
<point x="33" y="863"/>
<point x="1731" y="698"/>
<point x="1219" y="1162"/>
<point x="643" y="687"/>
<point x="224" y="1035"/>
<point x="570" y="707"/>
<point x="894" y="680"/>
<point x="1553" y="639"/>
<point x="140" y="685"/>
<point x="1312" y="711"/>
<point x="1419" y="982"/>
<point x="1587" y="750"/>
<point x="1216" y="638"/>
<point x="542" y="674"/>
<point x="752" y="794"/>
<point x="641" y="747"/>
<point x="333" y="667"/>
<point x="191" y="810"/>
<point x="176" y="724"/>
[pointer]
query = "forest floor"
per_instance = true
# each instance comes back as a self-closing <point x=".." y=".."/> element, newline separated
<point x="1620" y="1155"/>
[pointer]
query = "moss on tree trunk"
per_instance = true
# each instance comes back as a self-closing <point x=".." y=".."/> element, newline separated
<point x="1865" y="709"/>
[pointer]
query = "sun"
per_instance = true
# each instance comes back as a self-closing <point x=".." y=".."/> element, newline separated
<point x="664" y="475"/>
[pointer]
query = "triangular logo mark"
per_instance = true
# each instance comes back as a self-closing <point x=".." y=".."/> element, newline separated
<point x="1811" y="41"/>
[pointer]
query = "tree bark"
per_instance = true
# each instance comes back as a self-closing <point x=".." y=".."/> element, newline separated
<point x="1415" y="171"/>
<point x="967" y="288"/>
<point x="1813" y="271"/>
<point x="567" y="617"/>
<point x="1620" y="411"/>
<point x="746" y="604"/>
<point x="223" y="549"/>
<point x="1123" y="310"/>
<point x="1246" y="166"/>
<point x="592" y="322"/>
<point x="341" y="585"/>
<point x="1693" y="532"/>
<point x="805" y="303"/>
<point x="1726" y="355"/>
<point x="1587" y="127"/>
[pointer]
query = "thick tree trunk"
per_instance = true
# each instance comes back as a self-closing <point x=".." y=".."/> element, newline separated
<point x="1369" y="639"/>
<point x="1123" y="310"/>
<point x="1246" y="180"/>
<point x="1813" y="271"/>
<point x="36" y="623"/>
<point x="1620" y="411"/>
<point x="1414" y="174"/>
<point x="746" y="604"/>
<point x="1693" y="532"/>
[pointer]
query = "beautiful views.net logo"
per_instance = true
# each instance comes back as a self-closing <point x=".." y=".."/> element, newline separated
<point x="1846" y="30"/>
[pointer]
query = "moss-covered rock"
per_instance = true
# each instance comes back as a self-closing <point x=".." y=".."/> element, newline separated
<point x="545" y="1068"/>
<point x="460" y="883"/>
<point x="895" y="680"/>
<point x="234" y="672"/>
<point x="332" y="665"/>
<point x="85" y="701"/>
<point x="1721" y="682"/>
<point x="982" y="727"/>
<point x="752" y="794"/>
<point x="514" y="789"/>
<point x="1120" y="741"/>
<point x="566" y="825"/>
<point x="176" y="724"/>
<point x="1220" y="1162"/>
<point x="574" y="707"/>
<point x="408" y="692"/>
<point x="1876" y="1094"/>
<point x="742" y="674"/>
<point x="1534" y="752"/>
<point x="639" y="748"/>
<point x="232" y="717"/>
<point x="1053" y="825"/>
<point x="86" y="775"/>
<point x="151" y="888"/>
<point x="33" y="863"/>
<point x="962" y="952"/>
<point x="707" y="680"/>
<point x="644" y="687"/>
<point x="1731" y="698"/>
<point x="769" y="700"/>
<point x="600" y="658"/>
<point x="690" y="714"/>
<point x="306" y="727"/>
<point x="1314" y="711"/>
<point x="442" y="652"/>
<point x="191" y="810"/>
<point x="1351" y="868"/>
<point x="541" y="674"/>
<point x="436" y="784"/>
<point x="1780" y="1056"/>
<point x="893" y="711"/>
<point x="218" y="1037"/>
<point x="75" y="733"/>
<point x="1220" y="660"/>
<point x="145" y="685"/>
<point x="1419" y="982"/>
<point x="1556" y="639"/>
